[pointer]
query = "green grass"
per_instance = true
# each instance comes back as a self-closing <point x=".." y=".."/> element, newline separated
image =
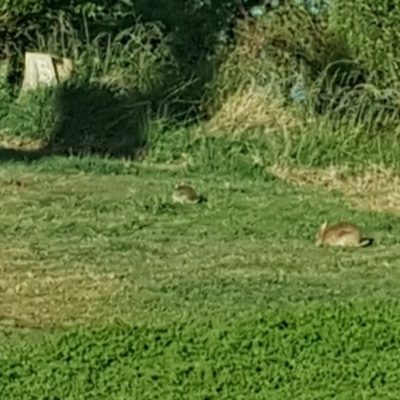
<point x="110" y="291"/>
<point x="327" y="352"/>
<point x="127" y="295"/>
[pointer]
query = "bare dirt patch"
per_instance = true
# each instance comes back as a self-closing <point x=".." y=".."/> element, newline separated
<point x="30" y="299"/>
<point x="375" y="188"/>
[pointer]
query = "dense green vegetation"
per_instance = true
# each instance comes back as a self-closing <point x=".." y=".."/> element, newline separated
<point x="339" y="352"/>
<point x="109" y="290"/>
<point x="294" y="69"/>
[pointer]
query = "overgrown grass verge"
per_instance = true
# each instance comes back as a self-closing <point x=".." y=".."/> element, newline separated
<point x="285" y="79"/>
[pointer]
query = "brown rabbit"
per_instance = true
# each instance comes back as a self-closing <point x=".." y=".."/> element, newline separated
<point x="341" y="234"/>
<point x="185" y="194"/>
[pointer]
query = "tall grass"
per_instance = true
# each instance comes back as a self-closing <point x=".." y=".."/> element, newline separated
<point x="289" y="84"/>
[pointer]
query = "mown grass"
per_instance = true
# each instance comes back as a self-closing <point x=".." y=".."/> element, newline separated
<point x="228" y="298"/>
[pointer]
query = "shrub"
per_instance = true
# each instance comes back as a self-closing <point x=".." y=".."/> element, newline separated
<point x="287" y="57"/>
<point x="370" y="30"/>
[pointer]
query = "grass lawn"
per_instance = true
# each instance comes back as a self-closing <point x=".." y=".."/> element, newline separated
<point x="108" y="290"/>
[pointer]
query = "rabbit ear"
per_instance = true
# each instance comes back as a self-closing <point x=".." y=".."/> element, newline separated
<point x="323" y="227"/>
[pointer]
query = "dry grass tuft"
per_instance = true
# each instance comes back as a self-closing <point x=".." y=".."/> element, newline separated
<point x="376" y="188"/>
<point x="250" y="109"/>
<point x="31" y="299"/>
<point x="249" y="90"/>
<point x="8" y="141"/>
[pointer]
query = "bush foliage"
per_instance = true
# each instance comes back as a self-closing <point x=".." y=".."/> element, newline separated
<point x="288" y="64"/>
<point x="370" y="30"/>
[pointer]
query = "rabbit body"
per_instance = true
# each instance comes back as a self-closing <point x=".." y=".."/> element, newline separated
<point x="341" y="234"/>
<point x="185" y="194"/>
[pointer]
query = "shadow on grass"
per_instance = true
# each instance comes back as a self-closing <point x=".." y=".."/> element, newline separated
<point x="86" y="119"/>
<point x="91" y="119"/>
<point x="8" y="155"/>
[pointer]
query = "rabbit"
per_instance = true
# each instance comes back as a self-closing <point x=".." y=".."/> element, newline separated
<point x="341" y="234"/>
<point x="185" y="194"/>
